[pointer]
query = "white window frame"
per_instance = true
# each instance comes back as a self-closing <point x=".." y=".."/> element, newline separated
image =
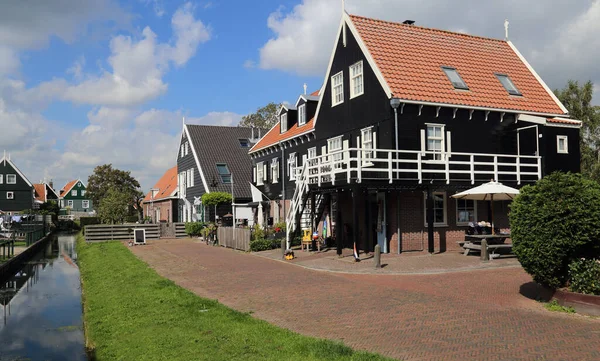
<point x="367" y="144"/>
<point x="302" y="115"/>
<point x="357" y="80"/>
<point x="292" y="164"/>
<point x="10" y="195"/>
<point x="188" y="179"/>
<point x="564" y="150"/>
<point x="192" y="183"/>
<point x="74" y="193"/>
<point x="438" y="154"/>
<point x="8" y="179"/>
<point x="70" y="203"/>
<point x="83" y="193"/>
<point x="312" y="153"/>
<point x="445" y="210"/>
<point x="275" y="170"/>
<point x="283" y="122"/>
<point x="85" y="204"/>
<point x="260" y="176"/>
<point x="337" y="158"/>
<point x="459" y="223"/>
<point x="337" y="89"/>
<point x="182" y="150"/>
<point x="1" y="178"/>
<point x="187" y="148"/>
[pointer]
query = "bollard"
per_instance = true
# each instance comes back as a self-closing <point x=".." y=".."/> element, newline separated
<point x="377" y="256"/>
<point x="283" y="248"/>
<point x="484" y="251"/>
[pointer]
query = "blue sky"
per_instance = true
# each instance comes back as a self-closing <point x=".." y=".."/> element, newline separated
<point x="84" y="83"/>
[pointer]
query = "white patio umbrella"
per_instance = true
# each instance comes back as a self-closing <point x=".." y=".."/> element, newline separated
<point x="491" y="191"/>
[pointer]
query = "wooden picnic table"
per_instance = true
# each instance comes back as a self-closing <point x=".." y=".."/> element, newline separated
<point x="490" y="238"/>
<point x="473" y="242"/>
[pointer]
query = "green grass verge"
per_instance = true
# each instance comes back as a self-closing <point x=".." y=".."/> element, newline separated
<point x="556" y="307"/>
<point x="131" y="313"/>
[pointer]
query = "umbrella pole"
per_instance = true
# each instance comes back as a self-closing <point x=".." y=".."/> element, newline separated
<point x="492" y="204"/>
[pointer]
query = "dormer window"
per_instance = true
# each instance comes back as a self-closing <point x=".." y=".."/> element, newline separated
<point x="302" y="115"/>
<point x="337" y="89"/>
<point x="244" y="143"/>
<point x="356" y="80"/>
<point x="283" y="122"/>
<point x="508" y="84"/>
<point x="224" y="173"/>
<point x="455" y="78"/>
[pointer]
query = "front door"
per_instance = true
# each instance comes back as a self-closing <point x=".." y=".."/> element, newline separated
<point x="381" y="222"/>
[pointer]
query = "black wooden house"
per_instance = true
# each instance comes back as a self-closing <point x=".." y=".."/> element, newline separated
<point x="406" y="117"/>
<point x="16" y="191"/>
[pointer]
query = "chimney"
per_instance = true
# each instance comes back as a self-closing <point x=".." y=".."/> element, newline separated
<point x="51" y="184"/>
<point x="258" y="133"/>
<point x="408" y="22"/>
<point x="252" y="133"/>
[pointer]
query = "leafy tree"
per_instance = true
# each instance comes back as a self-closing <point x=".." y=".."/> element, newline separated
<point x="578" y="101"/>
<point x="114" y="206"/>
<point x="264" y="118"/>
<point x="49" y="207"/>
<point x="105" y="178"/>
<point x="216" y="198"/>
<point x="555" y="222"/>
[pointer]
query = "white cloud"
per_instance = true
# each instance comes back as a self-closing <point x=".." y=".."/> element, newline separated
<point x="217" y="118"/>
<point x="77" y="68"/>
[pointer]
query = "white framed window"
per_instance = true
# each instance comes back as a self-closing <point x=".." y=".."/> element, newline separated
<point x="260" y="175"/>
<point x="83" y="193"/>
<point x="367" y="144"/>
<point x="275" y="170"/>
<point x="302" y="115"/>
<point x="312" y="156"/>
<point x="187" y="148"/>
<point x="1" y="178"/>
<point x="182" y="150"/>
<point x="435" y="140"/>
<point x="11" y="179"/>
<point x="10" y="195"/>
<point x="70" y="204"/>
<point x="192" y="182"/>
<point x="292" y="166"/>
<point x="85" y="204"/>
<point x="74" y="193"/>
<point x="562" y="144"/>
<point x="439" y="209"/>
<point x="335" y="145"/>
<point x="357" y="86"/>
<point x="224" y="173"/>
<point x="188" y="179"/>
<point x="337" y="89"/>
<point x="283" y="122"/>
<point x="466" y="212"/>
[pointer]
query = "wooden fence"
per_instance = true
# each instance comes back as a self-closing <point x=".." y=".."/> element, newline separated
<point x="239" y="241"/>
<point x="118" y="232"/>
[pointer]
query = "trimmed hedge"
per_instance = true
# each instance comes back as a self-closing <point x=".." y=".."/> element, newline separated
<point x="584" y="276"/>
<point x="194" y="229"/>
<point x="264" y="244"/>
<point x="555" y="222"/>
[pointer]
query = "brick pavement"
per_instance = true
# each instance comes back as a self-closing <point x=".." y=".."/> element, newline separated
<point x="477" y="315"/>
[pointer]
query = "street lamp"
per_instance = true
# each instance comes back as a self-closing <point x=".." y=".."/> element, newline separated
<point x="395" y="103"/>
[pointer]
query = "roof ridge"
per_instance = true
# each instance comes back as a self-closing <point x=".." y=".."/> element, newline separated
<point x="429" y="29"/>
<point x="218" y="126"/>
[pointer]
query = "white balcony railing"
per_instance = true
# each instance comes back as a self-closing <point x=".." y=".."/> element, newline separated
<point x="391" y="165"/>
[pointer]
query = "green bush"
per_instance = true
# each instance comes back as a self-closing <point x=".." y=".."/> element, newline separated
<point x="88" y="221"/>
<point x="131" y="219"/>
<point x="194" y="229"/>
<point x="261" y="245"/>
<point x="553" y="223"/>
<point x="584" y="276"/>
<point x="258" y="233"/>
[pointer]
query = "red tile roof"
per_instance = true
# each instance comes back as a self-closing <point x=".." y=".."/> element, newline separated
<point x="40" y="192"/>
<point x="410" y="59"/>
<point x="274" y="135"/>
<point x="564" y="121"/>
<point x="165" y="185"/>
<point x="68" y="187"/>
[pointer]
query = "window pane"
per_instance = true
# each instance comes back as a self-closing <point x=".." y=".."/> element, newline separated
<point x="222" y="169"/>
<point x="455" y="78"/>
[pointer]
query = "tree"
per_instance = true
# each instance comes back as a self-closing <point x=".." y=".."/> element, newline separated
<point x="578" y="101"/>
<point x="105" y="178"/>
<point x="138" y="198"/>
<point x="264" y="118"/>
<point x="114" y="206"/>
<point x="554" y="223"/>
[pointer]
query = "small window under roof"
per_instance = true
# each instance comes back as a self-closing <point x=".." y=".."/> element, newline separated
<point x="224" y="172"/>
<point x="244" y="143"/>
<point x="508" y="84"/>
<point x="455" y="78"/>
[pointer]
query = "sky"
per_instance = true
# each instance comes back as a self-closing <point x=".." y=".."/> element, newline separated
<point x="85" y="83"/>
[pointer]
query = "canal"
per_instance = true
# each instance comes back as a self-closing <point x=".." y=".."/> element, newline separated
<point x="41" y="306"/>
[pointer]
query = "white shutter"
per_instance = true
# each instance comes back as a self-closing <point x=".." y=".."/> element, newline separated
<point x="423" y="142"/>
<point x="254" y="174"/>
<point x="265" y="172"/>
<point x="323" y="152"/>
<point x="345" y="146"/>
<point x="374" y="142"/>
<point x="449" y="143"/>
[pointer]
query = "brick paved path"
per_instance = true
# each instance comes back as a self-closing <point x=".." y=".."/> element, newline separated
<point x="477" y="315"/>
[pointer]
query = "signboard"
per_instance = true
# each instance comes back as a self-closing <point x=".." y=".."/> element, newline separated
<point x="139" y="236"/>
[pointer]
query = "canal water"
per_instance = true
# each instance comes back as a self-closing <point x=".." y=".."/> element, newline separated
<point x="40" y="317"/>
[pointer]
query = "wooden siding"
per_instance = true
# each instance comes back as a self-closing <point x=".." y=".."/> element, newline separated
<point x="23" y="193"/>
<point x="183" y="164"/>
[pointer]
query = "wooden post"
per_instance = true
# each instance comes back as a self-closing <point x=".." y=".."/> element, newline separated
<point x="355" y="195"/>
<point x="377" y="256"/>
<point x="484" y="250"/>
<point x="338" y="226"/>
<point x="430" y="220"/>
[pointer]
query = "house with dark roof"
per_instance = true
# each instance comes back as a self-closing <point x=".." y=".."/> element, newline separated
<point x="16" y="191"/>
<point x="161" y="202"/>
<point x="73" y="197"/>
<point x="214" y="159"/>
<point x="406" y="117"/>
<point x="44" y="192"/>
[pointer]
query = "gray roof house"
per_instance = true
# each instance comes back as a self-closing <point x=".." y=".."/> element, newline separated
<point x="212" y="159"/>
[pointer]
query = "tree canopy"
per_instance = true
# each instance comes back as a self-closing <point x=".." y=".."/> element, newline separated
<point x="264" y="118"/>
<point x="114" y="206"/>
<point x="216" y="198"/>
<point x="105" y="178"/>
<point x="577" y="98"/>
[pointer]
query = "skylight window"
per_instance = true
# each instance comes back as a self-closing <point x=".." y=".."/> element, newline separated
<point x="508" y="84"/>
<point x="455" y="79"/>
<point x="224" y="173"/>
<point x="244" y="143"/>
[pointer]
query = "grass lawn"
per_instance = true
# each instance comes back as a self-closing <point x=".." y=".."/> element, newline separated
<point x="132" y="313"/>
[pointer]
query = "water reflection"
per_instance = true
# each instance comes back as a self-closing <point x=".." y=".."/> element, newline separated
<point x="42" y="307"/>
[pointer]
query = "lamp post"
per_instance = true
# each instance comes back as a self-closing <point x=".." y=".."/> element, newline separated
<point x="395" y="103"/>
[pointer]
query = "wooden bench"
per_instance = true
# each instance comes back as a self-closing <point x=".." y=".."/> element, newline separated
<point x="468" y="246"/>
